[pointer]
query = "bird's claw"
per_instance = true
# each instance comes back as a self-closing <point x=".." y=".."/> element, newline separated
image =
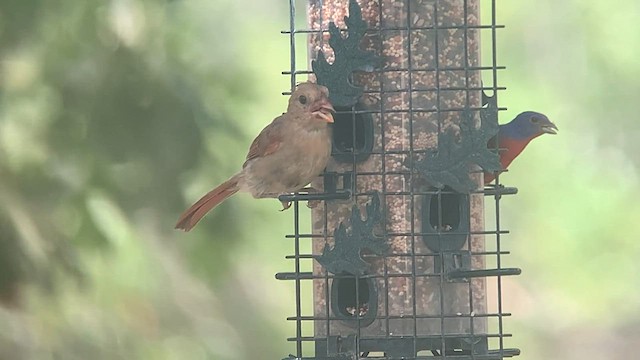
<point x="285" y="205"/>
<point x="311" y="204"/>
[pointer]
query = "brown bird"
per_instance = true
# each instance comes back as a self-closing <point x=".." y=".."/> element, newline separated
<point x="283" y="158"/>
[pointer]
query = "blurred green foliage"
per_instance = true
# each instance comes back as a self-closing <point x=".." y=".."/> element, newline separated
<point x="108" y="110"/>
<point x="114" y="115"/>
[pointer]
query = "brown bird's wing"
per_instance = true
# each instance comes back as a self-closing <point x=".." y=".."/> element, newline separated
<point x="267" y="142"/>
<point x="491" y="145"/>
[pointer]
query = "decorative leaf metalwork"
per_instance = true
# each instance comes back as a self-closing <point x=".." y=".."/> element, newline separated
<point x="449" y="164"/>
<point x="348" y="58"/>
<point x="345" y="256"/>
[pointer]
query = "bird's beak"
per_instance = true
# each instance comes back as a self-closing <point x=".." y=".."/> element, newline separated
<point x="550" y="128"/>
<point x="324" y="109"/>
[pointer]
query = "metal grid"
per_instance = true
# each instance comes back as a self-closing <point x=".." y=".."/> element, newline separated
<point x="412" y="302"/>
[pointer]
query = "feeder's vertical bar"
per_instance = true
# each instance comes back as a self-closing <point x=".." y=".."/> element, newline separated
<point x="494" y="71"/>
<point x="354" y="171"/>
<point x="467" y="106"/>
<point x="296" y="214"/>
<point x="494" y="51"/>
<point x="411" y="188"/>
<point x="292" y="41"/>
<point x="296" y="219"/>
<point x="326" y="287"/>
<point x="384" y="182"/>
<point x="439" y="123"/>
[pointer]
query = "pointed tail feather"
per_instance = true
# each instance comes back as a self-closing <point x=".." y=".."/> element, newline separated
<point x="213" y="198"/>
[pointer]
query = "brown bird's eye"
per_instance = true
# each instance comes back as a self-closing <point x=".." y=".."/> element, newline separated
<point x="302" y="99"/>
<point x="535" y="120"/>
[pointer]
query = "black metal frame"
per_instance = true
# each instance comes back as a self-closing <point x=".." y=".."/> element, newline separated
<point x="451" y="264"/>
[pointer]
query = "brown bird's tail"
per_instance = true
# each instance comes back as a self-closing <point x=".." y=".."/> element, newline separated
<point x="213" y="198"/>
<point x="488" y="177"/>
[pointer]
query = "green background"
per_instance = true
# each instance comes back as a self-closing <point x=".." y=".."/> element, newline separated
<point x="114" y="115"/>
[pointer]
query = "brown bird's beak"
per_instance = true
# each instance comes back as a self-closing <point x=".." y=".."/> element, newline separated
<point x="550" y="128"/>
<point x="324" y="109"/>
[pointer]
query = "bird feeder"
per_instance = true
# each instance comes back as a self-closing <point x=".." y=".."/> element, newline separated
<point x="398" y="263"/>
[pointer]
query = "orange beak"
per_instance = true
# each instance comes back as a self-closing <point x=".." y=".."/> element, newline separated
<point x="324" y="109"/>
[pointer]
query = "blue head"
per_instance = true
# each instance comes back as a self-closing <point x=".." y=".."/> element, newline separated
<point x="528" y="125"/>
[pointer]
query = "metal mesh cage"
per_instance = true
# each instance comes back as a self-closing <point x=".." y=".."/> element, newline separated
<point x="397" y="260"/>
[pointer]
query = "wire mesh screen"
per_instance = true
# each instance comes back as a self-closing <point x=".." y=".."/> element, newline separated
<point x="396" y="261"/>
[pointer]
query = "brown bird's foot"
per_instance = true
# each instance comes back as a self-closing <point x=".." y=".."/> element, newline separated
<point x="285" y="205"/>
<point x="311" y="204"/>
